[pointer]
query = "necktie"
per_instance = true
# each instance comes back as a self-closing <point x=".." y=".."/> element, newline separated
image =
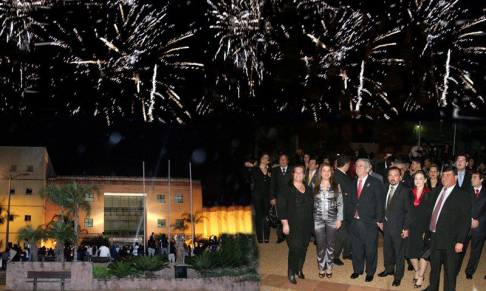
<point x="477" y="193"/>
<point x="310" y="178"/>
<point x="435" y="214"/>
<point x="283" y="171"/>
<point x="461" y="179"/>
<point x="390" y="196"/>
<point x="360" y="184"/>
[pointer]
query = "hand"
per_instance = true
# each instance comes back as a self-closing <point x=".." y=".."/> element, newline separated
<point x="273" y="201"/>
<point x="338" y="224"/>
<point x="248" y="165"/>
<point x="474" y="223"/>
<point x="286" y="229"/>
<point x="380" y="225"/>
<point x="404" y="234"/>
<point x="459" y="248"/>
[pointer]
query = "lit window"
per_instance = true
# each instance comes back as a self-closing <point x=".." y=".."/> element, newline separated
<point x="28" y="218"/>
<point x="160" y="198"/>
<point x="30" y="169"/>
<point x="161" y="223"/>
<point x="88" y="222"/>
<point x="89" y="197"/>
<point x="12" y="191"/>
<point x="179" y="223"/>
<point x="178" y="198"/>
<point x="10" y="217"/>
<point x="28" y="191"/>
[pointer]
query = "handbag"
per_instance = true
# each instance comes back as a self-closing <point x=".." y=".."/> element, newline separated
<point x="272" y="217"/>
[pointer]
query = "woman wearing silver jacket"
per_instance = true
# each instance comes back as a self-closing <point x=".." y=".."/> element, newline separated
<point x="328" y="216"/>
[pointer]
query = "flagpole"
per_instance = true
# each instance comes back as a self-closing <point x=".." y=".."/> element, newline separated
<point x="144" y="213"/>
<point x="192" y="214"/>
<point x="169" y="209"/>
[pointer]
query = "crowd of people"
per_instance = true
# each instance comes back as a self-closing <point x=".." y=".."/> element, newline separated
<point x="428" y="204"/>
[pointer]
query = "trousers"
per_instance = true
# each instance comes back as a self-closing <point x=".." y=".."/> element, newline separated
<point x="325" y="234"/>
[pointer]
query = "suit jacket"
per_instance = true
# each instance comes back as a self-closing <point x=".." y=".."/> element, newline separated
<point x="279" y="180"/>
<point x="408" y="180"/>
<point x="466" y="183"/>
<point x="478" y="212"/>
<point x="376" y="175"/>
<point x="313" y="180"/>
<point x="399" y="213"/>
<point x="370" y="204"/>
<point x="380" y="167"/>
<point x="454" y="220"/>
<point x="344" y="181"/>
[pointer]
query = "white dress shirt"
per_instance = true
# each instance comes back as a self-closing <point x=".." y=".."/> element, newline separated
<point x="447" y="193"/>
<point x="388" y="194"/>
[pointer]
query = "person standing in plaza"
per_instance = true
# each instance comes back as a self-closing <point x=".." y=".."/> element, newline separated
<point x="396" y="225"/>
<point x="260" y="197"/>
<point x="342" y="240"/>
<point x="421" y="209"/>
<point x="477" y="234"/>
<point x="151" y="246"/>
<point x="449" y="226"/>
<point x="463" y="176"/>
<point x="365" y="216"/>
<point x="295" y="210"/>
<point x="433" y="180"/>
<point x="328" y="217"/>
<point x="311" y="173"/>
<point x="281" y="177"/>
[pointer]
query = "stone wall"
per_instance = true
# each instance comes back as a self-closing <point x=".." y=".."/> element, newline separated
<point x="216" y="284"/>
<point x="81" y="275"/>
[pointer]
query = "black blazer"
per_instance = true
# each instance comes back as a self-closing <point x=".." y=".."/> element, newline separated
<point x="344" y="181"/>
<point x="478" y="212"/>
<point x="369" y="205"/>
<point x="408" y="180"/>
<point x="454" y="220"/>
<point x="399" y="213"/>
<point x="279" y="181"/>
<point x="438" y="185"/>
<point x="466" y="183"/>
<point x="296" y="207"/>
<point x="261" y="183"/>
<point x="314" y="178"/>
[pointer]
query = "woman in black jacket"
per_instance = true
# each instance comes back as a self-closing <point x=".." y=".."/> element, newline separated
<point x="295" y="210"/>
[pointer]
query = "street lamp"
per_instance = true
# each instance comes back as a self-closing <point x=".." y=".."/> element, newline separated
<point x="10" y="178"/>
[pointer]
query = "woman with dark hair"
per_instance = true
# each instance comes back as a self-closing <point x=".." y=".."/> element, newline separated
<point x="328" y="217"/>
<point x="434" y="178"/>
<point x="295" y="207"/>
<point x="417" y="250"/>
<point x="260" y="197"/>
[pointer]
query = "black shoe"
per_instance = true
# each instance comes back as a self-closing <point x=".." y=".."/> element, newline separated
<point x="410" y="268"/>
<point x="355" y="275"/>
<point x="301" y="275"/>
<point x="322" y="275"/>
<point x="385" y="273"/>
<point x="280" y="240"/>
<point x="369" y="278"/>
<point x="396" y="282"/>
<point x="292" y="277"/>
<point x="469" y="277"/>
<point x="260" y="241"/>
<point x="418" y="286"/>
<point x="338" y="262"/>
<point x="267" y="241"/>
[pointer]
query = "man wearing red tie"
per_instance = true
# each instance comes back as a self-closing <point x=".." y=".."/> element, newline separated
<point x="477" y="234"/>
<point x="449" y="226"/>
<point x="365" y="216"/>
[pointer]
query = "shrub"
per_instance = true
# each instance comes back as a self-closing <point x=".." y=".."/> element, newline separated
<point x="122" y="269"/>
<point x="100" y="272"/>
<point x="149" y="265"/>
<point x="204" y="263"/>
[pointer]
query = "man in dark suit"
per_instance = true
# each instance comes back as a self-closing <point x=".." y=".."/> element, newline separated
<point x="382" y="166"/>
<point x="463" y="176"/>
<point x="365" y="216"/>
<point x="477" y="234"/>
<point x="311" y="173"/>
<point x="405" y="178"/>
<point x="281" y="177"/>
<point x="395" y="225"/>
<point x="342" y="240"/>
<point x="449" y="226"/>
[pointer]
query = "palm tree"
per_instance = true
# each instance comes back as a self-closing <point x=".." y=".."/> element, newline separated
<point x="62" y="232"/>
<point x="180" y="225"/>
<point x="197" y="218"/>
<point x="34" y="236"/>
<point x="76" y="201"/>
<point x="54" y="194"/>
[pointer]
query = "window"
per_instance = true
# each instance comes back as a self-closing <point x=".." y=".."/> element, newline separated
<point x="30" y="168"/>
<point x="28" y="218"/>
<point x="12" y="191"/>
<point x="161" y="223"/>
<point x="28" y="191"/>
<point x="160" y="198"/>
<point x="89" y="197"/>
<point x="179" y="222"/>
<point x="10" y="217"/>
<point x="88" y="222"/>
<point x="178" y="198"/>
<point x="13" y="168"/>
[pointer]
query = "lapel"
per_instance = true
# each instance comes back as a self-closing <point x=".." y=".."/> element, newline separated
<point x="365" y="186"/>
<point x="397" y="189"/>
<point x="450" y="198"/>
